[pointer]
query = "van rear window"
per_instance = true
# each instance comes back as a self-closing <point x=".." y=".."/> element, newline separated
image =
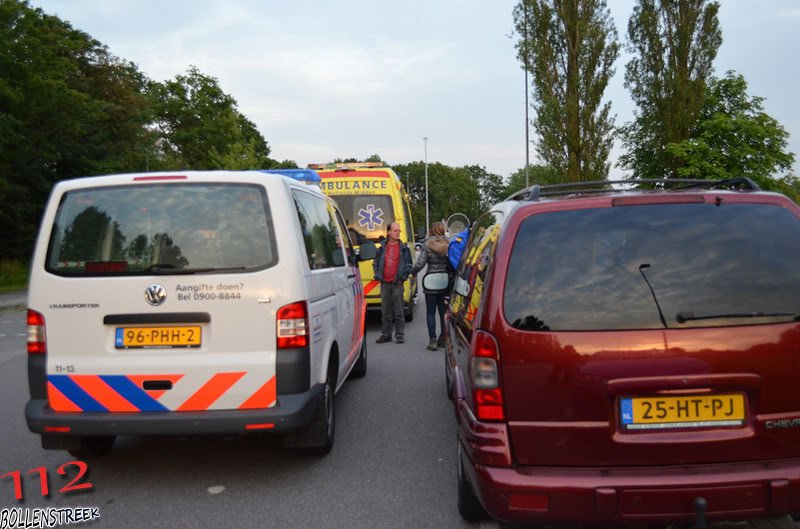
<point x="586" y="270"/>
<point x="162" y="228"/>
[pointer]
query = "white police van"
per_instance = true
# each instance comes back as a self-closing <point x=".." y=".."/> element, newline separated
<point x="191" y="303"/>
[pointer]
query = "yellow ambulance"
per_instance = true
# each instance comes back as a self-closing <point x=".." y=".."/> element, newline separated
<point x="370" y="195"/>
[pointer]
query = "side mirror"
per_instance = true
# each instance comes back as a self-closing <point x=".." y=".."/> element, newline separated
<point x="367" y="251"/>
<point x="461" y="287"/>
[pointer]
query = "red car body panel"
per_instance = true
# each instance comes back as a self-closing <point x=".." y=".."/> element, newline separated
<point x="563" y="439"/>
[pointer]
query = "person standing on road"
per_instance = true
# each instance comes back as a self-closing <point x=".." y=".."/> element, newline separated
<point x="434" y="254"/>
<point x="392" y="266"/>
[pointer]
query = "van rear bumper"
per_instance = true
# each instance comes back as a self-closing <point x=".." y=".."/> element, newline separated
<point x="637" y="496"/>
<point x="292" y="411"/>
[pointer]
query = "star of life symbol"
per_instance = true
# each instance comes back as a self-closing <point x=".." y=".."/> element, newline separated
<point x="370" y="217"/>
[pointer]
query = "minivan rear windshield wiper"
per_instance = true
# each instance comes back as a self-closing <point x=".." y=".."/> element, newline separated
<point x="683" y="317"/>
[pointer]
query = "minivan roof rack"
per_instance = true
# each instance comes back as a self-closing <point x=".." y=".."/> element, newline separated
<point x="534" y="192"/>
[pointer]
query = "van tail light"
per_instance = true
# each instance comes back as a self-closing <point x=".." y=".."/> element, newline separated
<point x="293" y="325"/>
<point x="485" y="376"/>
<point x="37" y="343"/>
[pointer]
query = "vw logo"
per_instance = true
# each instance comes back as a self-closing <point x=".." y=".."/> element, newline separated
<point x="155" y="294"/>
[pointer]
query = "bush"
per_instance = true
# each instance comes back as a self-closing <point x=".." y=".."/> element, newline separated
<point x="13" y="274"/>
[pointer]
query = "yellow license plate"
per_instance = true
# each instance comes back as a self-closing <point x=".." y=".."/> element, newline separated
<point x="178" y="336"/>
<point x="688" y="411"/>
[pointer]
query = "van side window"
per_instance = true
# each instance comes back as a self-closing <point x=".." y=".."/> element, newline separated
<point x="319" y="229"/>
<point x="345" y="238"/>
<point x="473" y="270"/>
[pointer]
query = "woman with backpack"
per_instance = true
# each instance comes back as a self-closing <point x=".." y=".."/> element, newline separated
<point x="434" y="254"/>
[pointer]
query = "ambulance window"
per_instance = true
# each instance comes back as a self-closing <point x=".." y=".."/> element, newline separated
<point x="319" y="229"/>
<point x="368" y="216"/>
<point x="409" y="229"/>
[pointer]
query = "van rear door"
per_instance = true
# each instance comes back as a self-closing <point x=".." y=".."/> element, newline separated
<point x="633" y="335"/>
<point x="151" y="298"/>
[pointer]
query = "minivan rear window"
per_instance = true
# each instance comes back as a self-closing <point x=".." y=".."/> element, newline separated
<point x="708" y="265"/>
<point x="162" y="228"/>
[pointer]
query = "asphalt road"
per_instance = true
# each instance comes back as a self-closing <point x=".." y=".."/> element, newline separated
<point x="392" y="465"/>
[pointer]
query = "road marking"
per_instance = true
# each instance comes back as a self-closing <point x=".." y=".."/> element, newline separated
<point x="216" y="489"/>
<point x="22" y="334"/>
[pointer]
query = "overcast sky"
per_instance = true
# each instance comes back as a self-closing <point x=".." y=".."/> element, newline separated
<point x="325" y="79"/>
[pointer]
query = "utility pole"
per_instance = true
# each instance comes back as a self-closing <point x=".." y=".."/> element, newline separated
<point x="527" y="123"/>
<point x="427" y="220"/>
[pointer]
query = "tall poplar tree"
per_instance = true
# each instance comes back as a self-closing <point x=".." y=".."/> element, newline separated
<point x="674" y="43"/>
<point x="569" y="47"/>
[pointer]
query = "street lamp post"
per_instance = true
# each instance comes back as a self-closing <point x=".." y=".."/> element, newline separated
<point x="427" y="214"/>
<point x="527" y="123"/>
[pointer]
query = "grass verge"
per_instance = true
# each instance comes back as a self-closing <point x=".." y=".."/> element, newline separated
<point x="13" y="275"/>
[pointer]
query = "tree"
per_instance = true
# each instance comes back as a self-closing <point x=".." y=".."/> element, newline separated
<point x="537" y="174"/>
<point x="733" y="137"/>
<point x="674" y="43"/>
<point x="570" y="47"/>
<point x="789" y="185"/>
<point x="490" y="186"/>
<point x="204" y="127"/>
<point x="68" y="108"/>
<point x="450" y="190"/>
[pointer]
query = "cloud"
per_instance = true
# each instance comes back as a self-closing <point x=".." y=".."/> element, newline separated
<point x="791" y="13"/>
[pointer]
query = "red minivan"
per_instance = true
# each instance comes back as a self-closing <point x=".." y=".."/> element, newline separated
<point x="629" y="357"/>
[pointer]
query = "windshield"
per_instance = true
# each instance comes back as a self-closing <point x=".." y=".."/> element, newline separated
<point x="589" y="269"/>
<point x="367" y="216"/>
<point x="162" y="229"/>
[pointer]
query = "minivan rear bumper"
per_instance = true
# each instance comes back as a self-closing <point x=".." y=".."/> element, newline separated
<point x="615" y="497"/>
<point x="292" y="411"/>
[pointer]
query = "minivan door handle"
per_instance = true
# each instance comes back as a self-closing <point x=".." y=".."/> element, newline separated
<point x="351" y="276"/>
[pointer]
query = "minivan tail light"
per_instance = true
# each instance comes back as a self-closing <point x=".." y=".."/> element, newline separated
<point x="37" y="342"/>
<point x="485" y="377"/>
<point x="292" y="323"/>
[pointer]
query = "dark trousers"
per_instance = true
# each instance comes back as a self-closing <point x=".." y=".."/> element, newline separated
<point x="434" y="302"/>
<point x="392" y="309"/>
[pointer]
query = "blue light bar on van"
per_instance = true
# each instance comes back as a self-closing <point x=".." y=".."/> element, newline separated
<point x="304" y="175"/>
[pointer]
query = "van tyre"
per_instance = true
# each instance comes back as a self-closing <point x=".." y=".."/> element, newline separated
<point x="317" y="437"/>
<point x="326" y="419"/>
<point x="408" y="312"/>
<point x="92" y="447"/>
<point x="360" y="369"/>
<point x="469" y="506"/>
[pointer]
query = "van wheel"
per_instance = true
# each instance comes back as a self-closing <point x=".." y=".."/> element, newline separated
<point x="469" y="506"/>
<point x="93" y="447"/>
<point x="408" y="312"/>
<point x="326" y="419"/>
<point x="360" y="369"/>
<point x="317" y="437"/>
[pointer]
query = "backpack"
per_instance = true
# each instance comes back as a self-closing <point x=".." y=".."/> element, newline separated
<point x="456" y="249"/>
